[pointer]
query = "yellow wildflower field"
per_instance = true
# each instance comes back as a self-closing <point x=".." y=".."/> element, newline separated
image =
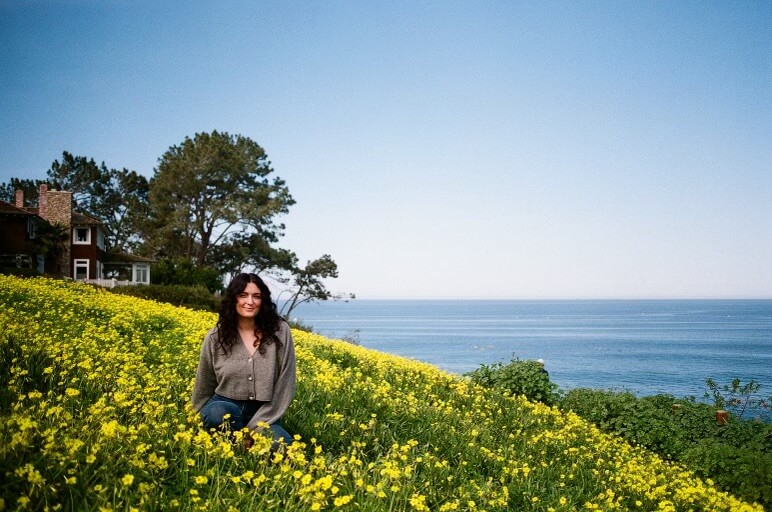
<point x="95" y="415"/>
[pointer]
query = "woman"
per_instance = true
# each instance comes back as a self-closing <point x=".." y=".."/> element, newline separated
<point x="247" y="364"/>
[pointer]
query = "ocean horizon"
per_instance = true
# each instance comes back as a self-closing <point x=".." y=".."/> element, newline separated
<point x="646" y="347"/>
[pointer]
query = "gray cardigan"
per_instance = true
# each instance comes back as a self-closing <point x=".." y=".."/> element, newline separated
<point x="268" y="378"/>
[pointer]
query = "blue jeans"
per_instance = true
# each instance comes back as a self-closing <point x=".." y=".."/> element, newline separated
<point x="241" y="411"/>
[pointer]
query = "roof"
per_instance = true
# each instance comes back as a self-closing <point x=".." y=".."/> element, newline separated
<point x="9" y="209"/>
<point x="81" y="219"/>
<point x="124" y="257"/>
<point x="76" y="218"/>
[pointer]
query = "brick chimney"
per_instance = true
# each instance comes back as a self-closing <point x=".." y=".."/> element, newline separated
<point x="56" y="208"/>
<point x="43" y="201"/>
<point x="19" y="199"/>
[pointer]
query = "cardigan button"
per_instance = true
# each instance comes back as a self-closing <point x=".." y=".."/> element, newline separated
<point x="250" y="378"/>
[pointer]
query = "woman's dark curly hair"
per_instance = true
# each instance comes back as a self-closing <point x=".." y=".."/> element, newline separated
<point x="267" y="320"/>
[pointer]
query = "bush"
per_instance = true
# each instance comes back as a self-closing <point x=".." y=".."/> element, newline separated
<point x="194" y="297"/>
<point x="184" y="272"/>
<point x="527" y="378"/>
<point x="737" y="456"/>
<point x="743" y="471"/>
<point x="300" y="326"/>
<point x="19" y="272"/>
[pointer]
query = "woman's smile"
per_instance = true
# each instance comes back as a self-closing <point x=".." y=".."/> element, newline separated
<point x="248" y="302"/>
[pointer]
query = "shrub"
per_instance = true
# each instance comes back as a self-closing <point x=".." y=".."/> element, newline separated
<point x="194" y="297"/>
<point x="184" y="272"/>
<point x="527" y="378"/>
<point x="19" y="272"/>
<point x="744" y="471"/>
<point x="300" y="326"/>
<point x="737" y="456"/>
<point x="598" y="406"/>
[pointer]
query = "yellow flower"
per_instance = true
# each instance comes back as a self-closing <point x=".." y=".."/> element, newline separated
<point x="342" y="500"/>
<point x="127" y="479"/>
<point x="418" y="502"/>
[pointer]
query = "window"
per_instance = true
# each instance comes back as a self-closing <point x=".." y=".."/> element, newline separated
<point x="31" y="228"/>
<point x="81" y="236"/>
<point x="142" y="274"/>
<point x="81" y="269"/>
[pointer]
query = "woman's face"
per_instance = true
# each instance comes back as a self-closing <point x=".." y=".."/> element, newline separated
<point x="248" y="302"/>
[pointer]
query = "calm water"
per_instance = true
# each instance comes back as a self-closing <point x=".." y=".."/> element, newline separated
<point x="646" y="347"/>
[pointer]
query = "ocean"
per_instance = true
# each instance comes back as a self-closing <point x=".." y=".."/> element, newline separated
<point x="643" y="346"/>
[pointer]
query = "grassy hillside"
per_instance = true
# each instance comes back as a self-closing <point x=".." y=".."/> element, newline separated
<point x="95" y="415"/>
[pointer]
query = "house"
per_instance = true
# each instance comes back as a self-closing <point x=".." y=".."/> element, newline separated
<point x="18" y="228"/>
<point x="82" y="257"/>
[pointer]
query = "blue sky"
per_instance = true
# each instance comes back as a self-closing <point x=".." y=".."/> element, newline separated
<point x="438" y="149"/>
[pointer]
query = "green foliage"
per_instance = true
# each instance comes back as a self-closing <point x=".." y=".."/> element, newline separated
<point x="51" y="240"/>
<point x="308" y="284"/>
<point x="740" y="398"/>
<point x="527" y="378"/>
<point x="213" y="201"/>
<point x="20" y="272"/>
<point x="215" y="191"/>
<point x="299" y="325"/>
<point x="194" y="297"/>
<point x="737" y="456"/>
<point x="184" y="272"/>
<point x="118" y="198"/>
<point x="31" y="189"/>
<point x="743" y="471"/>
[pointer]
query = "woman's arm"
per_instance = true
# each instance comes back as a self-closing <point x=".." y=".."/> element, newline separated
<point x="284" y="386"/>
<point x="206" y="380"/>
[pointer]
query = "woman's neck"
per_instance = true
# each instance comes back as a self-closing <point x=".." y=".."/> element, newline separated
<point x="246" y="324"/>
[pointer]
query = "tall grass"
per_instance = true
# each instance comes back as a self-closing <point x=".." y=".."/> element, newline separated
<point x="95" y="415"/>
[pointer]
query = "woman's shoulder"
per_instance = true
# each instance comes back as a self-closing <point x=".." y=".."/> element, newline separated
<point x="283" y="329"/>
<point x="282" y="325"/>
<point x="211" y="335"/>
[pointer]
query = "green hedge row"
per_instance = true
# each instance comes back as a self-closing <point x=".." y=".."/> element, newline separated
<point x="20" y="272"/>
<point x="194" y="297"/>
<point x="737" y="456"/>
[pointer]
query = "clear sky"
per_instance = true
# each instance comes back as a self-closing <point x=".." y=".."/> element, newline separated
<point x="459" y="149"/>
